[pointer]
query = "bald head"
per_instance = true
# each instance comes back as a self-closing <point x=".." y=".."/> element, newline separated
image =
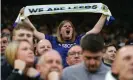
<point x="50" y="54"/>
<point x="49" y="62"/>
<point x="75" y="48"/>
<point x="43" y="46"/>
<point x="74" y="55"/>
<point x="124" y="63"/>
<point x="125" y="50"/>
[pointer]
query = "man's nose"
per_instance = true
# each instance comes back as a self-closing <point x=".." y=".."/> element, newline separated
<point x="46" y="48"/>
<point x="68" y="26"/>
<point x="92" y="61"/>
<point x="54" y="64"/>
<point x="76" y="55"/>
<point x="24" y="37"/>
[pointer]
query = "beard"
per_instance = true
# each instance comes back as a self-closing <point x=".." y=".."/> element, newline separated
<point x="93" y="68"/>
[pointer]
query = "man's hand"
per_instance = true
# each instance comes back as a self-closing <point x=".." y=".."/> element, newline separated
<point x="53" y="75"/>
<point x="22" y="11"/>
<point x="32" y="72"/>
<point x="19" y="64"/>
<point x="27" y="22"/>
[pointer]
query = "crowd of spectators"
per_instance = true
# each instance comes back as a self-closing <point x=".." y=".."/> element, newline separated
<point x="117" y="32"/>
<point x="30" y="53"/>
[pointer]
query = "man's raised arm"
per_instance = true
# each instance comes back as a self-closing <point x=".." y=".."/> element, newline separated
<point x="36" y="33"/>
<point x="99" y="25"/>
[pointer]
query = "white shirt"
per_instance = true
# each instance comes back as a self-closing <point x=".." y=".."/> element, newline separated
<point x="109" y="76"/>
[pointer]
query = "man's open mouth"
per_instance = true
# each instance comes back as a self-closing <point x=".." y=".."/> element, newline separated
<point x="67" y="32"/>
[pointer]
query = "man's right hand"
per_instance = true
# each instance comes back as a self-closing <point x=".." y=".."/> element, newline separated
<point x="53" y="75"/>
<point x="27" y="22"/>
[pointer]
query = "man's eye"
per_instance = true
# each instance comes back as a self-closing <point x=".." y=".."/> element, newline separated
<point x="127" y="58"/>
<point x="42" y="47"/>
<point x="96" y="58"/>
<point x="28" y="35"/>
<point x="4" y="41"/>
<point x="21" y="35"/>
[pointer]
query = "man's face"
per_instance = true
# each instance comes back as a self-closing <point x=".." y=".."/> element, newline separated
<point x="4" y="43"/>
<point x="92" y="60"/>
<point x="66" y="31"/>
<point x="74" y="55"/>
<point x="6" y="31"/>
<point x="111" y="53"/>
<point x="43" y="46"/>
<point x="52" y="62"/>
<point x="125" y="63"/>
<point x="23" y="34"/>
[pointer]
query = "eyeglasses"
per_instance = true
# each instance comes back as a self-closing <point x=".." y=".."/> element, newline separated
<point x="75" y="53"/>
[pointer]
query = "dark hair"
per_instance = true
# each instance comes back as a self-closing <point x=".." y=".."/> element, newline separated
<point x="108" y="45"/>
<point x="5" y="26"/>
<point x="92" y="42"/>
<point x="129" y="42"/>
<point x="6" y="35"/>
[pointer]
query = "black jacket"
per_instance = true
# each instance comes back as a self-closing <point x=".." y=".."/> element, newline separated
<point x="17" y="76"/>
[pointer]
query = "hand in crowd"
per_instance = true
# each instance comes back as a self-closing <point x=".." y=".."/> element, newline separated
<point x="19" y="64"/>
<point x="32" y="72"/>
<point x="54" y="75"/>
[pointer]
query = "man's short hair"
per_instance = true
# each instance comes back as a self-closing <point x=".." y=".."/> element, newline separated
<point x="22" y="26"/>
<point x="6" y="35"/>
<point x="92" y="42"/>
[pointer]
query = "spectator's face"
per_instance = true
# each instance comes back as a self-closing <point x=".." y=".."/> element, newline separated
<point x="23" y="34"/>
<point x="6" y="31"/>
<point x="74" y="55"/>
<point x="92" y="60"/>
<point x="4" y="43"/>
<point x="66" y="31"/>
<point x="52" y="62"/>
<point x="43" y="46"/>
<point x="125" y="63"/>
<point x="110" y="53"/>
<point x="25" y="53"/>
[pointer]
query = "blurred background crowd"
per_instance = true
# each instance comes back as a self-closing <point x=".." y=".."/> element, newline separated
<point x="119" y="31"/>
<point x="117" y="34"/>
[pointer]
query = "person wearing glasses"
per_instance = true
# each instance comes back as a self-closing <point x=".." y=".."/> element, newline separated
<point x="92" y="67"/>
<point x="74" y="55"/>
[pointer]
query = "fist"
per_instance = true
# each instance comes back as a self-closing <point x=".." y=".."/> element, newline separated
<point x="54" y="75"/>
<point x="32" y="72"/>
<point x="22" y="10"/>
<point x="19" y="64"/>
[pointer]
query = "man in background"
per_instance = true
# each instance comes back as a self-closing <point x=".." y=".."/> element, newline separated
<point x="74" y="55"/>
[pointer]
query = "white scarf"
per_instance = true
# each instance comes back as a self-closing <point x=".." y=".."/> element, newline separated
<point x="65" y="8"/>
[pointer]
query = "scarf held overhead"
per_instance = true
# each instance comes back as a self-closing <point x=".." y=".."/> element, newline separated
<point x="65" y="8"/>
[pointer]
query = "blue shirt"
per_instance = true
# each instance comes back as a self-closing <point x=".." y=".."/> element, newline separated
<point x="63" y="48"/>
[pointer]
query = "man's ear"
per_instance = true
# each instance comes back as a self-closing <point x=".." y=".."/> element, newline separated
<point x="67" y="60"/>
<point x="104" y="56"/>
